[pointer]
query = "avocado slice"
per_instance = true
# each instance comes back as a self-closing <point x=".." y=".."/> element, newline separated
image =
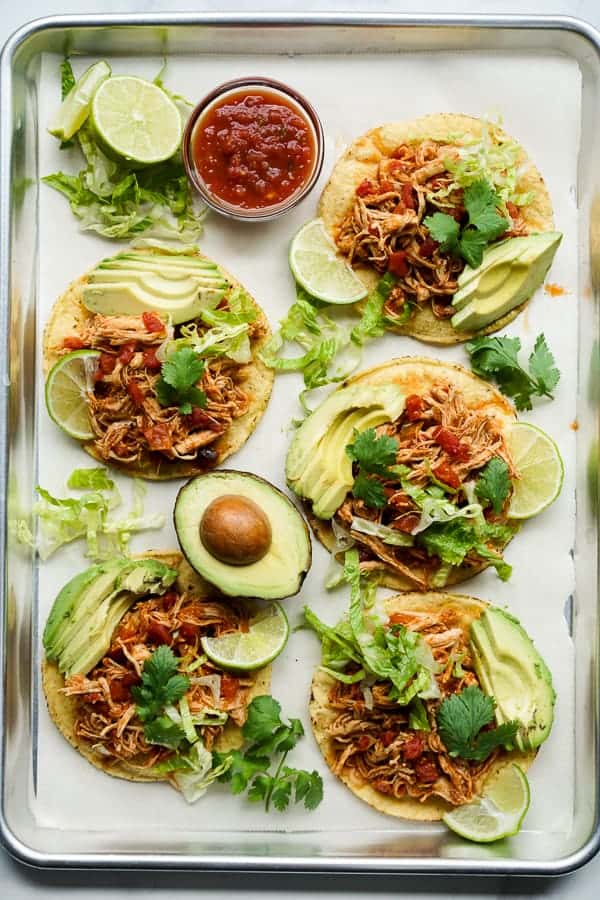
<point x="317" y="465"/>
<point x="281" y="570"/>
<point x="178" y="286"/>
<point x="88" y="609"/>
<point x="508" y="275"/>
<point x="511" y="670"/>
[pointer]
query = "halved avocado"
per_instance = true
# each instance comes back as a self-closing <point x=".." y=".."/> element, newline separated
<point x="281" y="564"/>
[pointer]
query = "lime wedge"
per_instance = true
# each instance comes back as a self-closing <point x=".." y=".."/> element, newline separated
<point x="243" y="651"/>
<point x="66" y="393"/>
<point x="499" y="811"/>
<point x="540" y="467"/>
<point x="75" y="108"/>
<point x="318" y="267"/>
<point x="135" y="119"/>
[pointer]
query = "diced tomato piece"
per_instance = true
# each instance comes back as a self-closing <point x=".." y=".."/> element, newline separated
<point x="446" y="474"/>
<point x="92" y="698"/>
<point x="159" y="634"/>
<point x="136" y="393"/>
<point x="397" y="619"/>
<point x="153" y="323"/>
<point x="388" y="737"/>
<point x="120" y="687"/>
<point x="159" y="437"/>
<point x="73" y="343"/>
<point x="406" y="523"/>
<point x="398" y="264"/>
<point x="413" y="748"/>
<point x="150" y="360"/>
<point x="414" y="407"/>
<point x="169" y="599"/>
<point x="188" y="632"/>
<point x="107" y="363"/>
<point x="364" y="188"/>
<point x="450" y="443"/>
<point x="364" y="742"/>
<point x="199" y="418"/>
<point x="513" y="209"/>
<point x="408" y="196"/>
<point x="229" y="687"/>
<point x="127" y="351"/>
<point x="398" y="153"/>
<point x="386" y="186"/>
<point x="426" y="770"/>
<point x="428" y="248"/>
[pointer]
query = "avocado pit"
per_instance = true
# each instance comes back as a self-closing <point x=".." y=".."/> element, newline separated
<point x="235" y="530"/>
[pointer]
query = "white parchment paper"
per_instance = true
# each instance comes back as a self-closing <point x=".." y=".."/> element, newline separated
<point x="351" y="97"/>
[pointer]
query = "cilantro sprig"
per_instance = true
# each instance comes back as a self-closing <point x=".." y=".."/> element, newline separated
<point x="485" y="224"/>
<point x="161" y="686"/>
<point x="374" y="456"/>
<point x="494" y="484"/>
<point x="461" y="718"/>
<point x="178" y="378"/>
<point x="250" y="769"/>
<point x="496" y="359"/>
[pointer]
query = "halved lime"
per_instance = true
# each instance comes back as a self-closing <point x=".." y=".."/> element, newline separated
<point x="244" y="651"/>
<point x="498" y="813"/>
<point x="540" y="467"/>
<point x="318" y="267"/>
<point x="75" y="108"/>
<point x="136" y="120"/>
<point x="66" y="393"/>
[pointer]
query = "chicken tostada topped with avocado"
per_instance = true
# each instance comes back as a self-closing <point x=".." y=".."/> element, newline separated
<point x="420" y="702"/>
<point x="152" y="362"/>
<point x="423" y="466"/>
<point x="451" y="208"/>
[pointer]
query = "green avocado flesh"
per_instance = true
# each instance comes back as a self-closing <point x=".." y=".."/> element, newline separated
<point x="281" y="570"/>
<point x="508" y="275"/>
<point x="511" y="670"/>
<point x="317" y="465"/>
<point x="89" y="608"/>
<point x="179" y="287"/>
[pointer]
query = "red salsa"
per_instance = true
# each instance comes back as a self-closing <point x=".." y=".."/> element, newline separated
<point x="253" y="149"/>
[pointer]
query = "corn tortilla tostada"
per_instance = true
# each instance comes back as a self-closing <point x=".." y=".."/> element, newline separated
<point x="134" y="429"/>
<point x="393" y="177"/>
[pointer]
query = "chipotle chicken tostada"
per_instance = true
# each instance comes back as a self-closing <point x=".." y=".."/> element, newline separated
<point x="167" y="347"/>
<point x="415" y="711"/>
<point x="457" y="214"/>
<point x="125" y="677"/>
<point x="411" y="462"/>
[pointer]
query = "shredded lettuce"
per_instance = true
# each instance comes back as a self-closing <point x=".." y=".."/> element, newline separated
<point x="386" y="534"/>
<point x="435" y="509"/>
<point x="452" y="540"/>
<point x="192" y="773"/>
<point x="62" y="520"/>
<point x="110" y="199"/>
<point x="417" y="716"/>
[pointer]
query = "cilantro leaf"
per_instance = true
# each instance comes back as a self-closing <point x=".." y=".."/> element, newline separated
<point x="161" y="685"/>
<point x="280" y="793"/>
<point x="481" y="203"/>
<point x="67" y="78"/>
<point x="177" y="383"/>
<point x="444" y="229"/>
<point x="264" y="716"/>
<point x="241" y="768"/>
<point x="543" y="366"/>
<point x="493" y="485"/>
<point x="370" y="491"/>
<point x="460" y="719"/>
<point x="308" y="787"/>
<point x="496" y="359"/>
<point x="472" y="244"/>
<point x="372" y="453"/>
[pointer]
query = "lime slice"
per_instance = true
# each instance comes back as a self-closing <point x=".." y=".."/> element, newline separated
<point x="318" y="267"/>
<point x="75" y="108"/>
<point x="66" y="393"/>
<point x="540" y="467"/>
<point x="136" y="120"/>
<point x="244" y="651"/>
<point x="498" y="813"/>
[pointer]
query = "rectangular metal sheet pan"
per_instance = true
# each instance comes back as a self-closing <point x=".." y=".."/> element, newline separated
<point x="543" y="76"/>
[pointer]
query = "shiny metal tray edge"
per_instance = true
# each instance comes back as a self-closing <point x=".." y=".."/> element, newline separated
<point x="57" y="33"/>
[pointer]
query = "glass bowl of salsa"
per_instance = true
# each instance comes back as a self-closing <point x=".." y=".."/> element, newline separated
<point x="253" y="148"/>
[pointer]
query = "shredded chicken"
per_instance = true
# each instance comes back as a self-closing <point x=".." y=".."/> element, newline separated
<point x="130" y="425"/>
<point x="438" y="435"/>
<point x="384" y="228"/>
<point x="106" y="712"/>
<point x="379" y="747"/>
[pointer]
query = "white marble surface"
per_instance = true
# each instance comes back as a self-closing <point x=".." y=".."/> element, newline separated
<point x="18" y="882"/>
